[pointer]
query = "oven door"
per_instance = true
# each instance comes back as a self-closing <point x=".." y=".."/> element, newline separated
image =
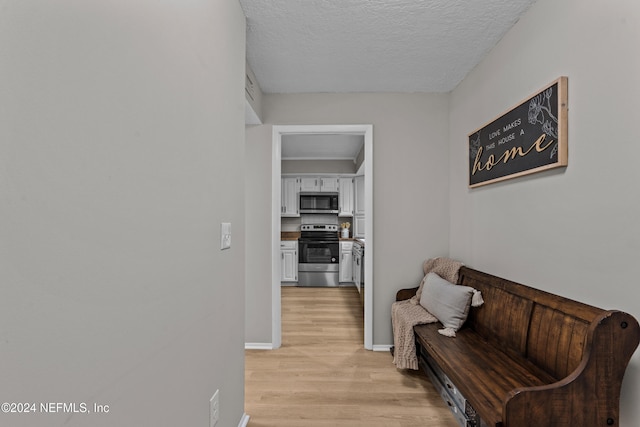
<point x="318" y="252"/>
<point x="318" y="262"/>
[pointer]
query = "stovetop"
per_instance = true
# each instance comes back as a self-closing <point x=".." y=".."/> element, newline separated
<point x="319" y="232"/>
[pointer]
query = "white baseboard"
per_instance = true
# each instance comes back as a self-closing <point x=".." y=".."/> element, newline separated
<point x="258" y="346"/>
<point x="382" y="347"/>
<point x="244" y="420"/>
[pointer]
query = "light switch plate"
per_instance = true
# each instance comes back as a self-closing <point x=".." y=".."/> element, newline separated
<point x="225" y="235"/>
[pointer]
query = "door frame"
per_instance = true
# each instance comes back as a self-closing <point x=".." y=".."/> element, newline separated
<point x="276" y="168"/>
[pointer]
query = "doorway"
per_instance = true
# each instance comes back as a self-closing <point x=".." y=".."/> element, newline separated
<point x="278" y="133"/>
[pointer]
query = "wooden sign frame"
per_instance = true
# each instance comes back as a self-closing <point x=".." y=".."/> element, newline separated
<point x="530" y="137"/>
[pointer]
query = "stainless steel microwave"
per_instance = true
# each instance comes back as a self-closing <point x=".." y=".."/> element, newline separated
<point x="326" y="203"/>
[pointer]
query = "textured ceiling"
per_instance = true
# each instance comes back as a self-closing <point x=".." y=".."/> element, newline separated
<point x="296" y="46"/>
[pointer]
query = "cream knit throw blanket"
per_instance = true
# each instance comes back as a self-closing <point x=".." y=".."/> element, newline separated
<point x="409" y="313"/>
<point x="404" y="316"/>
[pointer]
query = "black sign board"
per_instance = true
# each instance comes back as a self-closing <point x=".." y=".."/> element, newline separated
<point x="529" y="138"/>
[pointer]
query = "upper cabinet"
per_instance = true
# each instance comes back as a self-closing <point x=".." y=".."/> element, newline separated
<point x="359" y="194"/>
<point x="327" y="184"/>
<point x="346" y="197"/>
<point x="359" y="211"/>
<point x="290" y="197"/>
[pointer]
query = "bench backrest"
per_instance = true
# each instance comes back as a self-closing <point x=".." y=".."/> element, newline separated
<point x="547" y="329"/>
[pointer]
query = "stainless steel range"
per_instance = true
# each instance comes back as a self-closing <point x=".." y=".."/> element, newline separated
<point x="318" y="259"/>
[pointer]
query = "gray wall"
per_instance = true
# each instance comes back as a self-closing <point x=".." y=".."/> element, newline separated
<point x="258" y="226"/>
<point x="318" y="166"/>
<point x="118" y="122"/>
<point x="574" y="232"/>
<point x="410" y="154"/>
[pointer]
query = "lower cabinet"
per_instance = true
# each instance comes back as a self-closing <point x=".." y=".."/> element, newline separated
<point x="346" y="265"/>
<point x="358" y="225"/>
<point x="289" y="260"/>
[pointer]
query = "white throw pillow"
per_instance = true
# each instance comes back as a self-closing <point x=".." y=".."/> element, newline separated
<point x="448" y="302"/>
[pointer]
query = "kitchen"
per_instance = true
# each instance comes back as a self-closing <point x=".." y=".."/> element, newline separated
<point x="323" y="211"/>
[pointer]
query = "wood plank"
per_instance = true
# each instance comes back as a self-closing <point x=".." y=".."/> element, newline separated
<point x="323" y="376"/>
<point x="494" y="374"/>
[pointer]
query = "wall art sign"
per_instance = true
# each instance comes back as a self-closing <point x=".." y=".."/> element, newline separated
<point x="529" y="138"/>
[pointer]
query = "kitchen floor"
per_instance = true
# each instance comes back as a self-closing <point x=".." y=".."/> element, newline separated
<point x="323" y="376"/>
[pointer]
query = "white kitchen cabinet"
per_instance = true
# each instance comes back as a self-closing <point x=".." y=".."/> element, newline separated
<point x="358" y="226"/>
<point x="290" y="197"/>
<point x="346" y="262"/>
<point x="319" y="184"/>
<point x="329" y="184"/>
<point x="359" y="211"/>
<point x="289" y="261"/>
<point x="359" y="194"/>
<point x="346" y="197"/>
<point x="309" y="184"/>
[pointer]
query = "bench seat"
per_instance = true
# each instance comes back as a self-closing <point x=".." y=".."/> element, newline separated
<point x="479" y="369"/>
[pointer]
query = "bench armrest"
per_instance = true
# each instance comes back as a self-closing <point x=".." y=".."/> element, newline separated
<point x="590" y="395"/>
<point x="404" y="294"/>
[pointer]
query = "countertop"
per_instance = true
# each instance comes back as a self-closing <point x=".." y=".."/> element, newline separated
<point x="359" y="240"/>
<point x="289" y="235"/>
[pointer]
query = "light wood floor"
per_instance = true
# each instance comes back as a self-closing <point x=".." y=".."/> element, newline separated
<point x="322" y="376"/>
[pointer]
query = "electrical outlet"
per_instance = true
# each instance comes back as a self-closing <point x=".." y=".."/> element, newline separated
<point x="225" y="235"/>
<point x="214" y="409"/>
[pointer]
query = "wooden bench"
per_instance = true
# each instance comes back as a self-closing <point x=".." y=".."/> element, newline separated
<point x="528" y="358"/>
